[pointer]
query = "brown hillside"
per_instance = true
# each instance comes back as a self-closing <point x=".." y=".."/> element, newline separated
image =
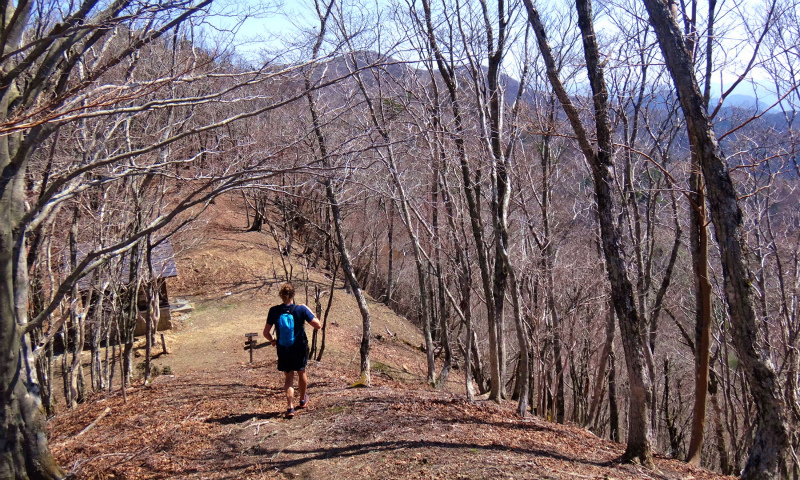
<point x="218" y="417"/>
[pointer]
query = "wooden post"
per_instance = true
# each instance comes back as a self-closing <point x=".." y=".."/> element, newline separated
<point x="250" y="344"/>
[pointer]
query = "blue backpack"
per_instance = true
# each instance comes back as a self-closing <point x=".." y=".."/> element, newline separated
<point x="286" y="329"/>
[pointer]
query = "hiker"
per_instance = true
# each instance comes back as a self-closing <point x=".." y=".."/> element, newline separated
<point x="291" y="343"/>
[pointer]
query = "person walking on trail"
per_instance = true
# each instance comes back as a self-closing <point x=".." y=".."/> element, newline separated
<point x="291" y="343"/>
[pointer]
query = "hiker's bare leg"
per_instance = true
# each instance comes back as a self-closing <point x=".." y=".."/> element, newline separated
<point x="287" y="386"/>
<point x="302" y="383"/>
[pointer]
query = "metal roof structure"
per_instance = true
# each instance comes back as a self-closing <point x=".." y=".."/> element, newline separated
<point x="163" y="263"/>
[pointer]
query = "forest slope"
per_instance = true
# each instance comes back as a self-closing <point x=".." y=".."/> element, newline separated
<point x="219" y="417"/>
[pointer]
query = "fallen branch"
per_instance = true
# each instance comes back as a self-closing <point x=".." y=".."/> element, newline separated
<point x="94" y="424"/>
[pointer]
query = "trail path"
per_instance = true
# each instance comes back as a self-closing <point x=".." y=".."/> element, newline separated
<point x="219" y="417"/>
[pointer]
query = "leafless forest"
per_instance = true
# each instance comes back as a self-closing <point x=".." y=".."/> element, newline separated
<point x="590" y="208"/>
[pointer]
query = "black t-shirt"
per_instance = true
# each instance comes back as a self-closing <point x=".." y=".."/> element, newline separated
<point x="301" y="315"/>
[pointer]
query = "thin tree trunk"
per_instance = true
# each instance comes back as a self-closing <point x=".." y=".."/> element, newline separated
<point x="549" y="253"/>
<point x="466" y="288"/>
<point x="72" y="371"/>
<point x="65" y="341"/>
<point x="477" y="365"/>
<point x="130" y="315"/>
<point x="669" y="419"/>
<point x="560" y="406"/>
<point x="472" y="196"/>
<point x="605" y="354"/>
<point x="336" y="216"/>
<point x="350" y="277"/>
<point x="98" y="380"/>
<point x="405" y="211"/>
<point x="699" y="249"/>
<point x="324" y="329"/>
<point x="501" y="182"/>
<point x="722" y="449"/>
<point x="390" y="268"/>
<point x="613" y="409"/>
<point x="523" y="372"/>
<point x="440" y="281"/>
<point x="464" y="280"/>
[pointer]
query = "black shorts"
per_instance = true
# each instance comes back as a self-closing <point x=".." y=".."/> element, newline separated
<point x="294" y="358"/>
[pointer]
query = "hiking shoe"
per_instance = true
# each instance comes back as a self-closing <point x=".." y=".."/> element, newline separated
<point x="303" y="402"/>
<point x="290" y="413"/>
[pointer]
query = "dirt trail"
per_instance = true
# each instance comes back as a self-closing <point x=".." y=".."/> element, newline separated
<point x="219" y="417"/>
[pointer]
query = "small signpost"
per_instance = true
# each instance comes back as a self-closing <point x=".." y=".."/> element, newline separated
<point x="250" y="343"/>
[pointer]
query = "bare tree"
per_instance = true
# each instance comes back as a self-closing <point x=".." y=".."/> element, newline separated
<point x="81" y="63"/>
<point x="768" y="454"/>
<point x="601" y="161"/>
<point x="324" y="13"/>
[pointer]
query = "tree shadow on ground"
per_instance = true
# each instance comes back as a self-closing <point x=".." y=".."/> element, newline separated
<point x="324" y="453"/>
<point x="230" y="461"/>
<point x="194" y="392"/>
<point x="243" y="417"/>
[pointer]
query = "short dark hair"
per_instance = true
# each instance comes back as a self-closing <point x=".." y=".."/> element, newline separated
<point x="286" y="292"/>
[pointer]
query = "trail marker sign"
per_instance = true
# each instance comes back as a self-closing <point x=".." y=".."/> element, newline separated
<point x="250" y="343"/>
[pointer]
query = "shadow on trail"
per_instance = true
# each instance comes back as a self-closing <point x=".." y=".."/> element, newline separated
<point x="183" y="393"/>
<point x="393" y="446"/>
<point x="243" y="417"/>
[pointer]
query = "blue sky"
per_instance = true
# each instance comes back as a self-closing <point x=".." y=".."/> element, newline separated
<point x="270" y="25"/>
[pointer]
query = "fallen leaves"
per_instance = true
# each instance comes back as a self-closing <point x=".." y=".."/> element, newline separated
<point x="201" y="426"/>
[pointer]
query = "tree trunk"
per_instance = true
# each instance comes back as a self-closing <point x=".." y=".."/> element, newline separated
<point x="336" y="217"/>
<point x="722" y="448"/>
<point x="44" y="363"/>
<point x="440" y="280"/>
<point x="258" y="221"/>
<point x="501" y="186"/>
<point x="327" y="311"/>
<point x="445" y="334"/>
<point x="350" y="278"/>
<point x="23" y="431"/>
<point x="523" y="372"/>
<point x="669" y="419"/>
<point x="560" y="406"/>
<point x="466" y="287"/>
<point x="605" y="354"/>
<point x="549" y="253"/>
<point x="23" y="434"/>
<point x="98" y="379"/>
<point x="613" y="409"/>
<point x="74" y="372"/>
<point x="769" y="451"/>
<point x="76" y="380"/>
<point x="390" y="268"/>
<point x="632" y="326"/>
<point x="472" y="196"/>
<point x="153" y="314"/>
<point x="477" y="364"/>
<point x="699" y="249"/>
